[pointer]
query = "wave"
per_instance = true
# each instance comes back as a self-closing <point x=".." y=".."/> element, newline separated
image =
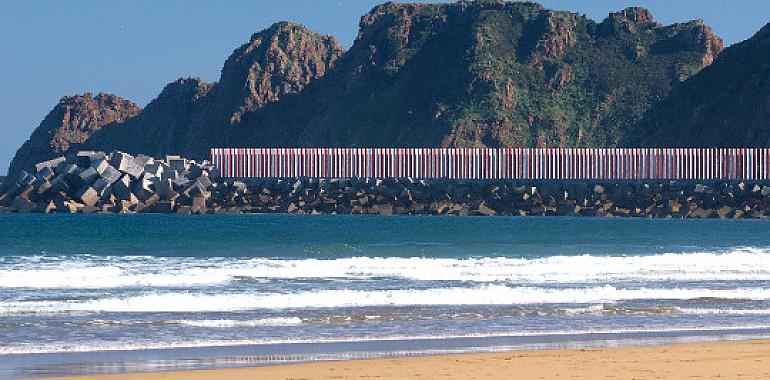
<point x="84" y="272"/>
<point x="752" y="330"/>
<point x="231" y="323"/>
<point x="479" y="295"/>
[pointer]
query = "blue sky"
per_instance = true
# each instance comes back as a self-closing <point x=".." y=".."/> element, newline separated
<point x="134" y="48"/>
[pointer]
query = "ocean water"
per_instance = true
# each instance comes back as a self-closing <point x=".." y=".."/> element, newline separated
<point x="112" y="293"/>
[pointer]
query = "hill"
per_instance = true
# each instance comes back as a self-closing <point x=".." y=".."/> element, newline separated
<point x="69" y="124"/>
<point x="467" y="74"/>
<point x="725" y="105"/>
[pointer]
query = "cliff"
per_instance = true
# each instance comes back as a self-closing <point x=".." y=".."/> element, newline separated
<point x="69" y="124"/>
<point x="190" y="116"/>
<point x="725" y="105"/>
<point x="499" y="74"/>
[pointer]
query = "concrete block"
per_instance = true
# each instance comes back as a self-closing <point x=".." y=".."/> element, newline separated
<point x="198" y="204"/>
<point x="74" y="179"/>
<point x="120" y="159"/>
<point x="67" y="168"/>
<point x="181" y="182"/>
<point x="59" y="183"/>
<point x="126" y="163"/>
<point x="50" y="163"/>
<point x="88" y="196"/>
<point x="155" y="169"/>
<point x="83" y="159"/>
<point x="134" y="170"/>
<point x="110" y="174"/>
<point x="41" y="185"/>
<point x="205" y="181"/>
<point x="91" y="155"/>
<point x="86" y="209"/>
<point x="22" y="205"/>
<point x="194" y="172"/>
<point x="61" y="166"/>
<point x="100" y="184"/>
<point x="100" y="165"/>
<point x="45" y="173"/>
<point x="49" y="208"/>
<point x="165" y="189"/>
<point x="142" y="189"/>
<point x="155" y="198"/>
<point x="165" y="207"/>
<point x="122" y="188"/>
<point x="197" y="190"/>
<point x="107" y="196"/>
<point x="143" y="160"/>
<point x="89" y="175"/>
<point x="177" y="163"/>
<point x="170" y="174"/>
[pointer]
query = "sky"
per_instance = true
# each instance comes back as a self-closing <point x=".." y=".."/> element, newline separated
<point x="52" y="48"/>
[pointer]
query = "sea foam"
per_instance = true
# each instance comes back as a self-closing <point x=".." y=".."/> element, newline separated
<point x="84" y="272"/>
<point x="478" y="295"/>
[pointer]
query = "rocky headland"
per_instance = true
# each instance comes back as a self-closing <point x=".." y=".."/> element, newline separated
<point x="91" y="182"/>
<point x="482" y="73"/>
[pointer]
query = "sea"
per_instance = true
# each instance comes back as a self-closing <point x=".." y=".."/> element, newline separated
<point x="91" y="294"/>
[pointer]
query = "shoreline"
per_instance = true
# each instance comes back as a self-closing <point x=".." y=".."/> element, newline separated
<point x="747" y="359"/>
<point x="130" y="362"/>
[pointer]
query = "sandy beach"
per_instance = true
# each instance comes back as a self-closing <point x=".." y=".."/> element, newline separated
<point x="719" y="360"/>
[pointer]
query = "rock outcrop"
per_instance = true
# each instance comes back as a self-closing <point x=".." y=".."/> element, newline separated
<point x="191" y="116"/>
<point x="71" y="122"/>
<point x="275" y="62"/>
<point x="725" y="105"/>
<point x="497" y="74"/>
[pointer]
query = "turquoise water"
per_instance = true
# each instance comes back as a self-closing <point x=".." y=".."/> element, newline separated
<point x="74" y="287"/>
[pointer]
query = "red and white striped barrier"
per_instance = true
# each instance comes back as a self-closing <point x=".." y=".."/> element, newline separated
<point x="502" y="163"/>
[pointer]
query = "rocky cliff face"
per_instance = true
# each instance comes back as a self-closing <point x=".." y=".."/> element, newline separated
<point x="191" y="116"/>
<point x="499" y="74"/>
<point x="725" y="105"/>
<point x="71" y="122"/>
<point x="278" y="61"/>
<point x="482" y="73"/>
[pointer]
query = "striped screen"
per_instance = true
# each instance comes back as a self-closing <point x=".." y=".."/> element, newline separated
<point x="502" y="163"/>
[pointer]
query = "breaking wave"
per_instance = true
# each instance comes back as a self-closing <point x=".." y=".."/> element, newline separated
<point x="86" y="272"/>
<point x="479" y="295"/>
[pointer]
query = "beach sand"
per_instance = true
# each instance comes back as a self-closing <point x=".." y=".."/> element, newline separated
<point x="720" y="360"/>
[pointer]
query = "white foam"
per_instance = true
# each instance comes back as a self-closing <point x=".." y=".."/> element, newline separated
<point x="122" y="346"/>
<point x="231" y="323"/>
<point x="478" y="295"/>
<point x="115" y="272"/>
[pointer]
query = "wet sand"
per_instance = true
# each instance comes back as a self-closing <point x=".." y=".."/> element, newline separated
<point x="718" y="360"/>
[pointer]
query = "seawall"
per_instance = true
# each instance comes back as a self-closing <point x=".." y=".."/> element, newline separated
<point x="92" y="182"/>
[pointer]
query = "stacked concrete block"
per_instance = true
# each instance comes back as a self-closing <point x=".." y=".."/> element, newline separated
<point x="50" y="163"/>
<point x="91" y="181"/>
<point x="88" y="196"/>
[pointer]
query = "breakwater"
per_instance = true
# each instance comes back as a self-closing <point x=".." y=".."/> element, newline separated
<point x="751" y="164"/>
<point x="91" y="182"/>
